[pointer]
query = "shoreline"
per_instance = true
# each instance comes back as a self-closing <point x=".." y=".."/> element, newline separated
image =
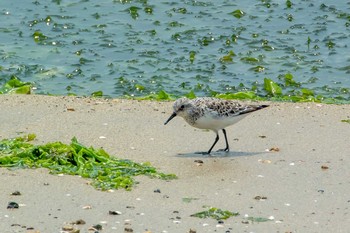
<point x="299" y="196"/>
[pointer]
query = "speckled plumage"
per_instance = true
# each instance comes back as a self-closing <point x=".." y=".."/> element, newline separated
<point x="212" y="113"/>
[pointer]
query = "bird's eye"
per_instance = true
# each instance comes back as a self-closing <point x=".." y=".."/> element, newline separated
<point x="182" y="107"/>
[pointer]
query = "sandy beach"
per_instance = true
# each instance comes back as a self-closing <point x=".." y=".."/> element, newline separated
<point x="288" y="163"/>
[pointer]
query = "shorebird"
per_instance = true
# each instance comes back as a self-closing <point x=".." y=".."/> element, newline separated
<point x="213" y="114"/>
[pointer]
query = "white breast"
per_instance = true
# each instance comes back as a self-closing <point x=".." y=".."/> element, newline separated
<point x="216" y="123"/>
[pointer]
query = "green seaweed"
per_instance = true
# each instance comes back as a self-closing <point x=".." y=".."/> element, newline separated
<point x="105" y="171"/>
<point x="271" y="87"/>
<point x="97" y="94"/>
<point x="133" y="11"/>
<point x="191" y="95"/>
<point x="192" y="56"/>
<point x="250" y="60"/>
<point x="289" y="80"/>
<point x="175" y="24"/>
<point x="258" y="69"/>
<point x="161" y="95"/>
<point x="16" y="86"/>
<point x="148" y="10"/>
<point x="238" y="95"/>
<point x="330" y="44"/>
<point x="180" y="10"/>
<point x="48" y="20"/>
<point x="39" y="37"/>
<point x="237" y="13"/>
<point x="205" y="41"/>
<point x="272" y="90"/>
<point x="215" y="213"/>
<point x="228" y="57"/>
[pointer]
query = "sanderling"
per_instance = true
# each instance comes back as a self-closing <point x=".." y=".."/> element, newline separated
<point x="212" y="113"/>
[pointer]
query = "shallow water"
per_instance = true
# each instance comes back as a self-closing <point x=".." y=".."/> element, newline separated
<point x="142" y="47"/>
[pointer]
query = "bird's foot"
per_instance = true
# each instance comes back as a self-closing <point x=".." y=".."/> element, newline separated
<point x="224" y="150"/>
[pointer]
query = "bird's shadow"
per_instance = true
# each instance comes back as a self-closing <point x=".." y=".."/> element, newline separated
<point x="218" y="154"/>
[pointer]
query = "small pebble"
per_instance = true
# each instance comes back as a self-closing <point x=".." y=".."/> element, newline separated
<point x="12" y="205"/>
<point x="97" y="227"/>
<point x="34" y="231"/>
<point x="113" y="212"/>
<point x="16" y="193"/>
<point x="260" y="198"/>
<point x="157" y="191"/>
<point x="128" y="229"/>
<point x="79" y="222"/>
<point x="274" y="149"/>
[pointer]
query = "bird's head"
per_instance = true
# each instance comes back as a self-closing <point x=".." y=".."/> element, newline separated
<point x="180" y="108"/>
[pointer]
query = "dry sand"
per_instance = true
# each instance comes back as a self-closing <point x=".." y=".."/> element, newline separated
<point x="300" y="195"/>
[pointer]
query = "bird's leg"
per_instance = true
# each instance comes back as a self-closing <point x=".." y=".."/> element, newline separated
<point x="227" y="146"/>
<point x="208" y="153"/>
<point x="216" y="140"/>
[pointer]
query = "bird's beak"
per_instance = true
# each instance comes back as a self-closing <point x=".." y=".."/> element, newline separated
<point x="171" y="117"/>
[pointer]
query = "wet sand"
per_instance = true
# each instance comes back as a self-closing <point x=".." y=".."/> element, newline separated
<point x="303" y="183"/>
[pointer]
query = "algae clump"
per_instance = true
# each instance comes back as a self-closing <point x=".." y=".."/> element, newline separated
<point x="105" y="171"/>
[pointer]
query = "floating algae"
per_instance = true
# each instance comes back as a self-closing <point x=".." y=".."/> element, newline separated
<point x="105" y="171"/>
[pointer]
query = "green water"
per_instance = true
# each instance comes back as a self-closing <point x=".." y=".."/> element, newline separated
<point x="141" y="47"/>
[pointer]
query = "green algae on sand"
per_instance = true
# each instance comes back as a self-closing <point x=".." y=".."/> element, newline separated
<point x="105" y="171"/>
